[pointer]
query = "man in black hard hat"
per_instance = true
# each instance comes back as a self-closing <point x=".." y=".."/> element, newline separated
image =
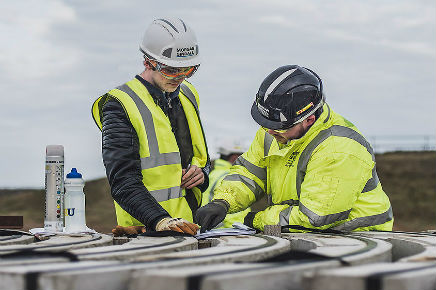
<point x="316" y="168"/>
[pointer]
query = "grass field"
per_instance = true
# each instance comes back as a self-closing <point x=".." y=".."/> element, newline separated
<point x="409" y="179"/>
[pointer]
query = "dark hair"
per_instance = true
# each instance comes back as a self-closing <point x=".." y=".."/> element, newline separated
<point x="225" y="157"/>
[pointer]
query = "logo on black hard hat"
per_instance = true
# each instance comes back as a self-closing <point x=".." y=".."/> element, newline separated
<point x="310" y="105"/>
<point x="264" y="111"/>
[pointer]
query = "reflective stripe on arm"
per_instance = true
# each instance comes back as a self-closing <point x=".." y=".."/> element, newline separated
<point x="366" y="221"/>
<point x="319" y="221"/>
<point x="251" y="184"/>
<point x="259" y="172"/>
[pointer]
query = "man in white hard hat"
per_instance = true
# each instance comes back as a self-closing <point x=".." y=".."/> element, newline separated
<point x="154" y="148"/>
<point x="229" y="150"/>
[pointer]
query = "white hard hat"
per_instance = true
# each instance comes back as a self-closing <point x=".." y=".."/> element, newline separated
<point x="231" y="146"/>
<point x="172" y="42"/>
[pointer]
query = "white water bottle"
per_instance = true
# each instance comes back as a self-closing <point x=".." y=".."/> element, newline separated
<point x="74" y="203"/>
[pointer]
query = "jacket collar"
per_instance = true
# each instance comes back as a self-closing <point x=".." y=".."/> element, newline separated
<point x="320" y="123"/>
<point x="323" y="121"/>
<point x="157" y="94"/>
<point x="222" y="164"/>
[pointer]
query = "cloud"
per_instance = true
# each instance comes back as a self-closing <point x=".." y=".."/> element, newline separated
<point x="27" y="49"/>
<point x="375" y="58"/>
<point x="404" y="26"/>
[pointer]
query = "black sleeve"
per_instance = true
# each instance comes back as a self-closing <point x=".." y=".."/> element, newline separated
<point x="123" y="166"/>
<point x="206" y="171"/>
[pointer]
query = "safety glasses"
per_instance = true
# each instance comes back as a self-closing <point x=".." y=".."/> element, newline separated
<point x="173" y="73"/>
<point x="277" y="131"/>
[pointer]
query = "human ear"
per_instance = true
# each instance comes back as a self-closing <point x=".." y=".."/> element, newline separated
<point x="310" y="120"/>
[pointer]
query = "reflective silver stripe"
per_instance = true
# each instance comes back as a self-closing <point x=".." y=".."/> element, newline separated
<point x="284" y="216"/>
<point x="328" y="114"/>
<point x="269" y="199"/>
<point x="251" y="184"/>
<point x="189" y="94"/>
<point x="267" y="141"/>
<point x="156" y="158"/>
<point x="372" y="183"/>
<point x="277" y="81"/>
<point x="290" y="202"/>
<point x="259" y="172"/>
<point x="146" y="117"/>
<point x="159" y="160"/>
<point x="167" y="193"/>
<point x="339" y="131"/>
<point x="366" y="221"/>
<point x="319" y="221"/>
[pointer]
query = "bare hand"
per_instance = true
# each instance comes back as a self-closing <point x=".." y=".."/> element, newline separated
<point x="192" y="178"/>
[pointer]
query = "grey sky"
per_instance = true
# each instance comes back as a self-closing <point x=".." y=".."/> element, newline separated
<point x="376" y="58"/>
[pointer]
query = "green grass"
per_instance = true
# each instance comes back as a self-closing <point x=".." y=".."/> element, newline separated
<point x="409" y="179"/>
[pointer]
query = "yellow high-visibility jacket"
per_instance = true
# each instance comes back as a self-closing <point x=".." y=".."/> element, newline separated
<point x="221" y="169"/>
<point x="160" y="157"/>
<point x="325" y="179"/>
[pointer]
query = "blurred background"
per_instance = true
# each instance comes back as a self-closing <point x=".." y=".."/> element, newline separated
<point x="376" y="59"/>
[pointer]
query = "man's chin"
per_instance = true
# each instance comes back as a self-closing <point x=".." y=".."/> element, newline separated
<point x="280" y="139"/>
<point x="171" y="87"/>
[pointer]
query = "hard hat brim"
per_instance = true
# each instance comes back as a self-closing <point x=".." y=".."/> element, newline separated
<point x="181" y="63"/>
<point x="194" y="61"/>
<point x="264" y="122"/>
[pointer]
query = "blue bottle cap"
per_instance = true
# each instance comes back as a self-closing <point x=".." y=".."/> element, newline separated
<point x="74" y="174"/>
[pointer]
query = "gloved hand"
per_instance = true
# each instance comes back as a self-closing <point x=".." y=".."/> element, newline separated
<point x="211" y="214"/>
<point x="119" y="231"/>
<point x="176" y="224"/>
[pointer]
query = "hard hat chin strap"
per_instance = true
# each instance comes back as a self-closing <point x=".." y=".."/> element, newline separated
<point x="311" y="112"/>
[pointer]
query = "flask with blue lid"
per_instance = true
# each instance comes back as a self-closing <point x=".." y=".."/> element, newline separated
<point x="74" y="202"/>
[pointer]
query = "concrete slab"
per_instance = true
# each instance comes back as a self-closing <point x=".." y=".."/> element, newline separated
<point x="282" y="275"/>
<point x="27" y="277"/>
<point x="16" y="240"/>
<point x="230" y="249"/>
<point x="61" y="243"/>
<point x="379" y="276"/>
<point x="408" y="247"/>
<point x="115" y="276"/>
<point x="176" y="263"/>
<point x="135" y="248"/>
<point x="138" y="247"/>
<point x="250" y="276"/>
<point x="352" y="249"/>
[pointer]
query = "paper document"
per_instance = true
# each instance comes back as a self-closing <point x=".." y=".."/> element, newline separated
<point x="238" y="229"/>
<point x="43" y="233"/>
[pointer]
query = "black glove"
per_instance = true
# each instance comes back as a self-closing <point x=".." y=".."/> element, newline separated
<point x="211" y="214"/>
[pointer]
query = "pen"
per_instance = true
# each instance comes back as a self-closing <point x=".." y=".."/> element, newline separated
<point x="187" y="168"/>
